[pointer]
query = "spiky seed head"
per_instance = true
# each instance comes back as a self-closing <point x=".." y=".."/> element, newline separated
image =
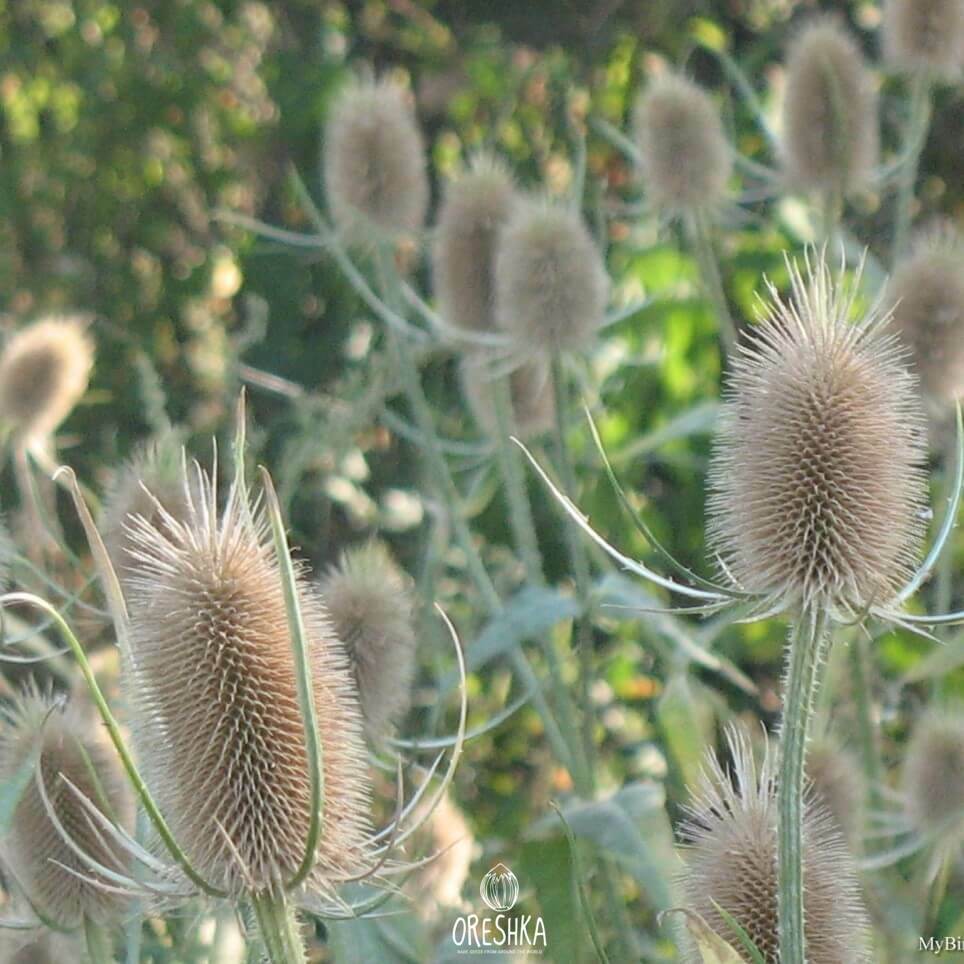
<point x="212" y="686"/>
<point x="830" y="134"/>
<point x="374" y="162"/>
<point x="44" y="371"/>
<point x="72" y="748"/>
<point x="530" y="388"/>
<point x="927" y="294"/>
<point x="933" y="774"/>
<point x="685" y="158"/>
<point x="448" y="834"/>
<point x="835" y="780"/>
<point x="369" y="601"/>
<point x="154" y="472"/>
<point x="816" y="482"/>
<point x="39" y="947"/>
<point x="550" y="283"/>
<point x="474" y="208"/>
<point x="925" y="35"/>
<point x="730" y="856"/>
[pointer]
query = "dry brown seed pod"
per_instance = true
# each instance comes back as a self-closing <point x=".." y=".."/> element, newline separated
<point x="925" y="35"/>
<point x="835" y="779"/>
<point x="933" y="774"/>
<point x="530" y="387"/>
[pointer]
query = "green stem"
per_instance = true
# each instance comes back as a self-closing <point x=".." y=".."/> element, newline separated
<point x="99" y="945"/>
<point x="806" y="644"/>
<point x="698" y="235"/>
<point x="278" y="928"/>
<point x="830" y="213"/>
<point x="918" y="123"/>
<point x="860" y="667"/>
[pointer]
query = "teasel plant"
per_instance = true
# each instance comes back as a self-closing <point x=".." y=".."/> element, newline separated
<point x="816" y="508"/>
<point x="228" y="658"/>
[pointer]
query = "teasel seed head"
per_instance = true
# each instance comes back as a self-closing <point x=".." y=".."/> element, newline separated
<point x="39" y="947"/>
<point x="530" y="388"/>
<point x="927" y="294"/>
<point x="836" y="783"/>
<point x="34" y="850"/>
<point x="369" y="601"/>
<point x="933" y="775"/>
<point x="816" y="484"/>
<point x="374" y="163"/>
<point x="212" y="687"/>
<point x="550" y="283"/>
<point x="474" y="208"/>
<point x="730" y="856"/>
<point x="685" y="158"/>
<point x="830" y="134"/>
<point x="44" y="371"/>
<point x="925" y="35"/>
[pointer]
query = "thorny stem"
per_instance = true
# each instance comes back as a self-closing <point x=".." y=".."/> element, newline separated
<point x="698" y="235"/>
<point x="860" y="669"/>
<point x="278" y="928"/>
<point x="918" y="122"/>
<point x="805" y="656"/>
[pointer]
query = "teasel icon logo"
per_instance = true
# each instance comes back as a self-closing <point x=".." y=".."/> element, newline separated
<point x="500" y="888"/>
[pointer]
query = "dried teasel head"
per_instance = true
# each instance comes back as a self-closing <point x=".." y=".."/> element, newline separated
<point x="730" y="856"/>
<point x="933" y="776"/>
<point x="39" y="947"/>
<point x="925" y="35"/>
<point x="835" y="782"/>
<point x="44" y="371"/>
<point x="816" y="483"/>
<point x="685" y="158"/>
<point x="374" y="162"/>
<point x="550" y="282"/>
<point x="212" y="687"/>
<point x="370" y="604"/>
<point x="474" y="208"/>
<point x="76" y="767"/>
<point x="927" y="294"/>
<point x="530" y="388"/>
<point x="830" y="134"/>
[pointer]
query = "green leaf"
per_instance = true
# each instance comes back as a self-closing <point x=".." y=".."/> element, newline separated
<point x="389" y="938"/>
<point x="712" y="948"/>
<point x="686" y="721"/>
<point x="546" y="868"/>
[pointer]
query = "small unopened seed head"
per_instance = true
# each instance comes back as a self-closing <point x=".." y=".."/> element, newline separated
<point x="35" y="853"/>
<point x="530" y="388"/>
<point x="730" y="838"/>
<point x="925" y="35"/>
<point x="374" y="163"/>
<point x="685" y="158"/>
<point x="927" y="294"/>
<point x="550" y="283"/>
<point x="212" y="686"/>
<point x="933" y="776"/>
<point x="835" y="780"/>
<point x="830" y="135"/>
<point x="44" y="371"/>
<point x="475" y="207"/>
<point x="369" y="602"/>
<point x="816" y="481"/>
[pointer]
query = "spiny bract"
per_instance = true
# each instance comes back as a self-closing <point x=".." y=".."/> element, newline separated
<point x="816" y="484"/>
<point x="926" y="35"/>
<point x="730" y="853"/>
<point x="211" y="682"/>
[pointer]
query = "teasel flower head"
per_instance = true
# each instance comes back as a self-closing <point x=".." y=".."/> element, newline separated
<point x="551" y="285"/>
<point x="927" y="294"/>
<point x="474" y="208"/>
<point x="212" y="685"/>
<point x="152" y="477"/>
<point x="730" y="856"/>
<point x="925" y="35"/>
<point x="39" y="947"/>
<point x="685" y="158"/>
<point x="836" y="783"/>
<point x="933" y="778"/>
<point x="530" y="389"/>
<point x="369" y="601"/>
<point x="76" y="770"/>
<point x="830" y="134"/>
<point x="374" y="163"/>
<point x="44" y="371"/>
<point x="816" y="483"/>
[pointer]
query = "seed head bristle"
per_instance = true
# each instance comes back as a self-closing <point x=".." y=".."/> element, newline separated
<point x="212" y="686"/>
<point x="550" y="283"/>
<point x="933" y="774"/>
<point x="370" y="605"/>
<point x="475" y="207"/>
<point x="685" y="158"/>
<point x="830" y="135"/>
<point x="730" y="853"/>
<point x="925" y="35"/>
<point x="34" y="847"/>
<point x="816" y="483"/>
<point x="374" y="162"/>
<point x="44" y="371"/>
<point x="530" y="388"/>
